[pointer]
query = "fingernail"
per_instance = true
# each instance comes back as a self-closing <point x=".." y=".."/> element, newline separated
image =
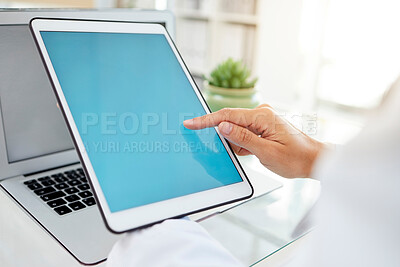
<point x="188" y="123"/>
<point x="225" y="127"/>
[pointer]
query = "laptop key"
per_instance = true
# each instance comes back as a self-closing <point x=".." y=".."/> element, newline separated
<point x="89" y="201"/>
<point x="61" y="186"/>
<point x="85" y="194"/>
<point x="60" y="179"/>
<point x="30" y="182"/>
<point x="76" y="205"/>
<point x="73" y="176"/>
<point x="52" y="196"/>
<point x="63" y="210"/>
<point x="44" y="178"/>
<point x="68" y="183"/>
<point x="56" y="203"/>
<point x="43" y="191"/>
<point x="74" y="182"/>
<point x="48" y="182"/>
<point x="34" y="186"/>
<point x="84" y="187"/>
<point x="72" y="198"/>
<point x="71" y="190"/>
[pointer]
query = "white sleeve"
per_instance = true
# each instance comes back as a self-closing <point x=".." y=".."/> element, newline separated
<point x="358" y="214"/>
<point x="171" y="243"/>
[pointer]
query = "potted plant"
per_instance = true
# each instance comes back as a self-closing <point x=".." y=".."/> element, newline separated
<point x="229" y="85"/>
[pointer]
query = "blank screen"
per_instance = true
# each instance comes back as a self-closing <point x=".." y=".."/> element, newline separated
<point x="128" y="96"/>
<point x="33" y="125"/>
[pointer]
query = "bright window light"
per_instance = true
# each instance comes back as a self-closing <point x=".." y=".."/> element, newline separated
<point x="361" y="52"/>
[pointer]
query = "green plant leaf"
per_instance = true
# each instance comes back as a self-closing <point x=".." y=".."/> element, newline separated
<point x="235" y="83"/>
<point x="225" y="84"/>
<point x="231" y="74"/>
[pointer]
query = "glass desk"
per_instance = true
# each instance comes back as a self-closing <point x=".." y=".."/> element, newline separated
<point x="259" y="227"/>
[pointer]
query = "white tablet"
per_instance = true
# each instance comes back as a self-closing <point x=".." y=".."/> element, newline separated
<point x="124" y="92"/>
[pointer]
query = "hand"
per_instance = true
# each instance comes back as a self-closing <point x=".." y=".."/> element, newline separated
<point x="278" y="145"/>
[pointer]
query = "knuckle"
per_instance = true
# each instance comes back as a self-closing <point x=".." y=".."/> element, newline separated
<point x="260" y="118"/>
<point x="226" y="113"/>
<point x="263" y="106"/>
<point x="201" y="121"/>
<point x="270" y="111"/>
<point x="244" y="136"/>
<point x="204" y="118"/>
<point x="267" y="113"/>
<point x="264" y="109"/>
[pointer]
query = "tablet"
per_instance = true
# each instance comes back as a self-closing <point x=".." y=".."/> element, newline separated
<point x="124" y="92"/>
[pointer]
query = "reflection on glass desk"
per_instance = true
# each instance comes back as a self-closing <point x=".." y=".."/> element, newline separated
<point x="255" y="229"/>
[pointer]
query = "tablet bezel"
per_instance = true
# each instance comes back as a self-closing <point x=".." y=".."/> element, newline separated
<point x="149" y="214"/>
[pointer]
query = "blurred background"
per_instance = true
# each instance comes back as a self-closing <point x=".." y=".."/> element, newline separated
<point x="324" y="64"/>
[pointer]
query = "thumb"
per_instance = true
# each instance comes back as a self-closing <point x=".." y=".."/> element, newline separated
<point x="241" y="137"/>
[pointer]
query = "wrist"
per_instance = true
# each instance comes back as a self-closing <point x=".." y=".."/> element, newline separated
<point x="315" y="150"/>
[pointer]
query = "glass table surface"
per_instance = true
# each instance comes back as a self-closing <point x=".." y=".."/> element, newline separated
<point x="255" y="229"/>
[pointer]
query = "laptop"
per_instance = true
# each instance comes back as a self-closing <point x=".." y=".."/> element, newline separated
<point x="39" y="167"/>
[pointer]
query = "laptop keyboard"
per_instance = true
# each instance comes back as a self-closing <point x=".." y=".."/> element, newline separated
<point x="64" y="192"/>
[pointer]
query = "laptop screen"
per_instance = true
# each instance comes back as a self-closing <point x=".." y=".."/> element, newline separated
<point x="33" y="125"/>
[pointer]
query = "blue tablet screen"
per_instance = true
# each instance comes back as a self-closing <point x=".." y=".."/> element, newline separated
<point x="128" y="96"/>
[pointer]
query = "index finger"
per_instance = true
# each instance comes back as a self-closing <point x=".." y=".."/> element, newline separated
<point x="235" y="115"/>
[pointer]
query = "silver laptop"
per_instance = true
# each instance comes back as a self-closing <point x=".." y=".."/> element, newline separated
<point x="39" y="167"/>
